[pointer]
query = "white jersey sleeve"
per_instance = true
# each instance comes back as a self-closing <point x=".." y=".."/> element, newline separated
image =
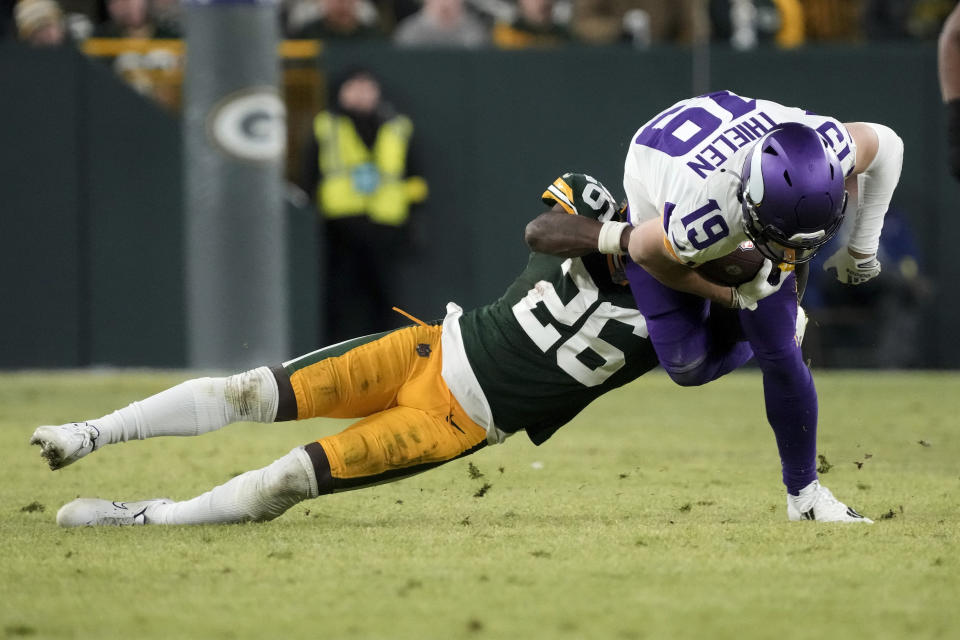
<point x="684" y="166"/>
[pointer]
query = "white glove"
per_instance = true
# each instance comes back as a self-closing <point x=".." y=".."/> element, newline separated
<point x="850" y="270"/>
<point x="746" y="295"/>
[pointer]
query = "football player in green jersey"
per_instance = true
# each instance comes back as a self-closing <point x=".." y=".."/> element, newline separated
<point x="564" y="333"/>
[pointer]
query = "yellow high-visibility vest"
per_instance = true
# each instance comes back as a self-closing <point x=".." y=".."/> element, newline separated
<point x="357" y="180"/>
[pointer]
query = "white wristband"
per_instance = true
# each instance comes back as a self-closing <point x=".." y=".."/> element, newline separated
<point x="610" y="234"/>
<point x="736" y="302"/>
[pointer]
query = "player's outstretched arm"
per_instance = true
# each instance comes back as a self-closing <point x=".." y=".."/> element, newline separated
<point x="648" y="249"/>
<point x="877" y="172"/>
<point x="948" y="57"/>
<point x="558" y="233"/>
<point x="561" y="234"/>
<point x="948" y="66"/>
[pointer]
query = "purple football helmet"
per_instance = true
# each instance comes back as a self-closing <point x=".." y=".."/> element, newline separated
<point x="792" y="193"/>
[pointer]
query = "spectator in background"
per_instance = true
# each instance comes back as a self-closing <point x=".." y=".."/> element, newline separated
<point x="832" y="20"/>
<point x="599" y="21"/>
<point x="886" y="19"/>
<point x="928" y="17"/>
<point x="878" y="323"/>
<point x="167" y="15"/>
<point x="40" y="23"/>
<point x="340" y="20"/>
<point x="748" y="23"/>
<point x="533" y="26"/>
<point x="7" y="25"/>
<point x="904" y="292"/>
<point x="132" y="19"/>
<point x="442" y="23"/>
<point x="393" y="12"/>
<point x="361" y="177"/>
<point x="641" y="21"/>
<point x="901" y="19"/>
<point x="155" y="70"/>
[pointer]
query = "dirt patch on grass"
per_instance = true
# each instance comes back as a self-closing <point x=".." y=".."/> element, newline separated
<point x="482" y="491"/>
<point x="824" y="466"/>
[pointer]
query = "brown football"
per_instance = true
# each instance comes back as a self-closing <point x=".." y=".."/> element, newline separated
<point x="735" y="268"/>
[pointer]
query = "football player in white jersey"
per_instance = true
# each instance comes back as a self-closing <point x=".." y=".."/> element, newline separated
<point x="711" y="172"/>
<point x="690" y="167"/>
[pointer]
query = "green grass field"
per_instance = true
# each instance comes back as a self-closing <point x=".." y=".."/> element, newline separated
<point x="658" y="513"/>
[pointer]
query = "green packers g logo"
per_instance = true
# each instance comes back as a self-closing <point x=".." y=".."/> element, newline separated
<point x="250" y="125"/>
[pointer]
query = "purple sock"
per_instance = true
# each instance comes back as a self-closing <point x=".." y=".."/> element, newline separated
<point x="788" y="389"/>
<point x="696" y="346"/>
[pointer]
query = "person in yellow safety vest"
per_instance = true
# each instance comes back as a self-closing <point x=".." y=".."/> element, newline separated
<point x="360" y="171"/>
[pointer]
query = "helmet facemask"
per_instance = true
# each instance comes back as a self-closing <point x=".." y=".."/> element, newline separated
<point x="775" y="245"/>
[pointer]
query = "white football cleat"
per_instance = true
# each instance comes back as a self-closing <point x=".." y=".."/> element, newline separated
<point x="93" y="512"/>
<point x="801" y="325"/>
<point x="815" y="502"/>
<point x="64" y="444"/>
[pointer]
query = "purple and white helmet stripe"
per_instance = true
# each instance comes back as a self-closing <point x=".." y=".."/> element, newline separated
<point x="792" y="193"/>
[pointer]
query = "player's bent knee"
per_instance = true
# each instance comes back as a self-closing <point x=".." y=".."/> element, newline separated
<point x="688" y="375"/>
<point x="688" y="378"/>
<point x="252" y="395"/>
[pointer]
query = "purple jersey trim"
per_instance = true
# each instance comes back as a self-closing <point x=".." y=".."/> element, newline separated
<point x="668" y="208"/>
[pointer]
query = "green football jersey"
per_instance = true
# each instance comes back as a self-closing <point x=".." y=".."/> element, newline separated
<point x="565" y="332"/>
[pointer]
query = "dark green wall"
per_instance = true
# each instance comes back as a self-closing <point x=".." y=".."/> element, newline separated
<point x="91" y="205"/>
<point x="41" y="285"/>
<point x="92" y="197"/>
<point x="92" y="221"/>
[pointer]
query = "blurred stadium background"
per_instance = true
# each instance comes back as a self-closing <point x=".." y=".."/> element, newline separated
<point x="94" y="159"/>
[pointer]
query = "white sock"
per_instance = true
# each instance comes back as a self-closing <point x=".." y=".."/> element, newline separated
<point x="253" y="496"/>
<point x="194" y="407"/>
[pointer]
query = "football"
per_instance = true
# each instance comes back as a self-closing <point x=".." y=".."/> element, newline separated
<point x="736" y="267"/>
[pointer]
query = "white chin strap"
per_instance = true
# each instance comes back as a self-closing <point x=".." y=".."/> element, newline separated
<point x="801" y="237"/>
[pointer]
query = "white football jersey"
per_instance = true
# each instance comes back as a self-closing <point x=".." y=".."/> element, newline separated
<point x="685" y="163"/>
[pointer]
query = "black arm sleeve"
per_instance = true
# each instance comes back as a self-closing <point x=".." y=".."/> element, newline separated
<point x="953" y="136"/>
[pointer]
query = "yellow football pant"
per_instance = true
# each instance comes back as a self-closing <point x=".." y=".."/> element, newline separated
<point x="411" y="422"/>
